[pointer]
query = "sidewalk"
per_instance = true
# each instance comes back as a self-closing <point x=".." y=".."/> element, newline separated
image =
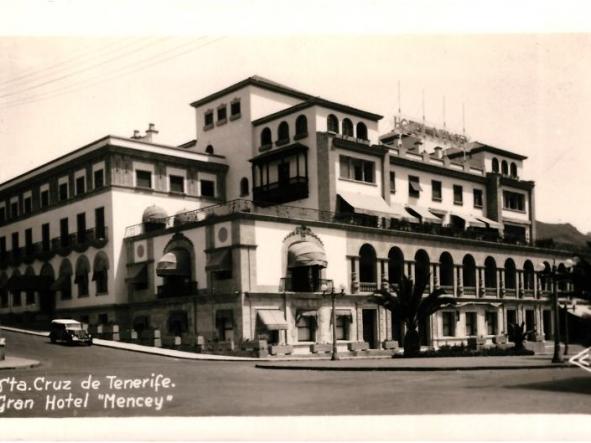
<point x="17" y="362"/>
<point x="424" y="364"/>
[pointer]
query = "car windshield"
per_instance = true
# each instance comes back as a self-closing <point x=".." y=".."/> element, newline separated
<point x="74" y="326"/>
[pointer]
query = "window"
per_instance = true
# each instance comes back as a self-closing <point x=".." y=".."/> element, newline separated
<point x="15" y="242"/>
<point x="449" y="324"/>
<point x="209" y="150"/>
<point x="504" y="167"/>
<point x="357" y="169"/>
<point x="244" y="190"/>
<point x="177" y="183"/>
<point x="99" y="179"/>
<point x="435" y="190"/>
<point x="30" y="297"/>
<point x="101" y="280"/>
<point x="29" y="240"/>
<point x="222" y="114"/>
<point x="392" y="182"/>
<point x="66" y="289"/>
<point x="99" y="222"/>
<point x="45" y="236"/>
<point x="28" y="205"/>
<point x="458" y="195"/>
<point x="81" y="227"/>
<point x="16" y="297"/>
<point x="103" y="319"/>
<point x="471" y="323"/>
<point x="361" y="131"/>
<point x="100" y="270"/>
<point x="266" y="137"/>
<point x="81" y="280"/>
<point x="207" y="188"/>
<point x="306" y="328"/>
<point x="491" y="322"/>
<point x="143" y="179"/>
<point x="301" y="126"/>
<point x="2" y="214"/>
<point x="45" y="198"/>
<point x="478" y="202"/>
<point x="208" y="119"/>
<point x="64" y="232"/>
<point x="283" y="133"/>
<point x="224" y="323"/>
<point x="513" y="201"/>
<point x="495" y="165"/>
<point x="342" y="327"/>
<point x="80" y="186"/>
<point x="235" y="108"/>
<point x="414" y="186"/>
<point x="14" y="209"/>
<point x="332" y="124"/>
<point x="63" y="191"/>
<point x="347" y="127"/>
<point x="513" y="170"/>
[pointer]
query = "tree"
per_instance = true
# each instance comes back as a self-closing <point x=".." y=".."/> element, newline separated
<point x="518" y="335"/>
<point x="408" y="304"/>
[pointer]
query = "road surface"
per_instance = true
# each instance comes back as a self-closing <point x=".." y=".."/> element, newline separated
<point x="211" y="388"/>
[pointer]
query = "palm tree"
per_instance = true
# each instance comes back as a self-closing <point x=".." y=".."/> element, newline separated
<point x="408" y="304"/>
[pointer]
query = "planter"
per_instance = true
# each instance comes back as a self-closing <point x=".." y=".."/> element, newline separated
<point x="390" y="344"/>
<point x="500" y="340"/>
<point x="280" y="349"/>
<point x="358" y="346"/>
<point x="321" y="348"/>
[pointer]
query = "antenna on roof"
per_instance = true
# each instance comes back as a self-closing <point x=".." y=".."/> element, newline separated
<point x="464" y="129"/>
<point x="444" y="122"/>
<point x="399" y="101"/>
<point x="423" y="109"/>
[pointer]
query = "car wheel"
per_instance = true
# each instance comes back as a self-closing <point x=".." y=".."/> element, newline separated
<point x="52" y="338"/>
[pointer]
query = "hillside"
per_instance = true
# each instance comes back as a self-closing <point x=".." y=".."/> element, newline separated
<point x="561" y="233"/>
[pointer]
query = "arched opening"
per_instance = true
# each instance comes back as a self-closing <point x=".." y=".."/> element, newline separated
<point x="446" y="270"/>
<point x="528" y="275"/>
<point x="14" y="284"/>
<point x="510" y="271"/>
<point x="154" y="218"/>
<point x="266" y="137"/>
<point x="495" y="165"/>
<point x="395" y="265"/>
<point x="347" y="127"/>
<point x="46" y="294"/>
<point x="175" y="269"/>
<point x="305" y="261"/>
<point x="81" y="279"/>
<point x="361" y="131"/>
<point x="100" y="274"/>
<point x="244" y="189"/>
<point x="422" y="264"/>
<point x="301" y="126"/>
<point x="561" y="283"/>
<point x="367" y="266"/>
<point x="490" y="273"/>
<point x="332" y="124"/>
<point x="283" y="133"/>
<point x="30" y="286"/>
<point x="469" y="272"/>
<point x="513" y="170"/>
<point x="63" y="284"/>
<point x="504" y="168"/>
<point x="209" y="149"/>
<point x="545" y="283"/>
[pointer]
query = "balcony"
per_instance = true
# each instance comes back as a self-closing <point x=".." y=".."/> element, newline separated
<point x="296" y="188"/>
<point x="177" y="289"/>
<point x="290" y="284"/>
<point x="368" y="286"/>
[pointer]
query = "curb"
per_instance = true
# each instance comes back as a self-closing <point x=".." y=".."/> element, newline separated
<point x="410" y="368"/>
<point x="27" y="364"/>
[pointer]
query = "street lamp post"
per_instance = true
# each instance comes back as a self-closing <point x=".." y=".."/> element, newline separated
<point x="566" y="308"/>
<point x="333" y="296"/>
<point x="555" y="275"/>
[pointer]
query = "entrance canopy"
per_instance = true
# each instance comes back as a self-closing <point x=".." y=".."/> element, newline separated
<point x="306" y="253"/>
<point x="174" y="263"/>
<point x="273" y="319"/>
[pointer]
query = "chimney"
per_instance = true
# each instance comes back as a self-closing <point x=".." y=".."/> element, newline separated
<point x="438" y="152"/>
<point x="150" y="132"/>
<point x="136" y="134"/>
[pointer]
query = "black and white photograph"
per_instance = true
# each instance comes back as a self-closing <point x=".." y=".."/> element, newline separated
<point x="316" y="221"/>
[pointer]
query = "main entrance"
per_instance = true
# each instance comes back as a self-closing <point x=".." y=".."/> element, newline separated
<point x="370" y="332"/>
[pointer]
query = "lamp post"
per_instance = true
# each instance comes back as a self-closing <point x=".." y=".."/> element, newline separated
<point x="567" y="308"/>
<point x="333" y="296"/>
<point x="555" y="275"/>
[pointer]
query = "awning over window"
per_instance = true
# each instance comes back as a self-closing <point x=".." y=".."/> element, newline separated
<point x="415" y="186"/>
<point x="306" y="253"/>
<point x="220" y="260"/>
<point x="373" y="205"/>
<point x="490" y="223"/>
<point x="308" y="314"/>
<point x="176" y="262"/>
<point x="469" y="220"/>
<point x="347" y="313"/>
<point x="60" y="283"/>
<point x="272" y="319"/>
<point x="423" y="213"/>
<point x="137" y="273"/>
<point x="399" y="212"/>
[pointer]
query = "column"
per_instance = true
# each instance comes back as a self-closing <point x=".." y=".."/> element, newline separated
<point x="460" y="280"/>
<point x="385" y="277"/>
<point x="378" y="274"/>
<point x="502" y="281"/>
<point x="480" y="277"/>
<point x="501" y="321"/>
<point x="354" y="275"/>
<point x="520" y="284"/>
<point x="477" y="282"/>
<point x="455" y="283"/>
<point x="535" y="285"/>
<point x="436" y="275"/>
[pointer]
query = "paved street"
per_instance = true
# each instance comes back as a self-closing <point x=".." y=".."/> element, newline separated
<point x="237" y="388"/>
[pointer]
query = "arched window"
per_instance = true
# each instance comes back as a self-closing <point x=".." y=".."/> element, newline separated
<point x="446" y="269"/>
<point x="46" y="295"/>
<point x="81" y="278"/>
<point x="495" y="165"/>
<point x="266" y="137"/>
<point x="395" y="265"/>
<point x="347" y="127"/>
<point x="469" y="271"/>
<point x="510" y="271"/>
<point x="283" y="133"/>
<point x="301" y="126"/>
<point x="367" y="264"/>
<point x="64" y="281"/>
<point x="209" y="149"/>
<point x="513" y="170"/>
<point x="422" y="264"/>
<point x="361" y="131"/>
<point x="490" y="273"/>
<point x="244" y="191"/>
<point x="100" y="273"/>
<point x="504" y="168"/>
<point x="332" y="124"/>
<point x="528" y="275"/>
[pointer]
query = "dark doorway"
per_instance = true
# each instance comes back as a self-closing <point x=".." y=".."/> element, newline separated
<point x="547" y="319"/>
<point x="305" y="279"/>
<point x="370" y="327"/>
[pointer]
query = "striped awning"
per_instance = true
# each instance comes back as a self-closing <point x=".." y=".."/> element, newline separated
<point x="469" y="220"/>
<point x="306" y="253"/>
<point x="423" y="213"/>
<point x="273" y="319"/>
<point x="490" y="223"/>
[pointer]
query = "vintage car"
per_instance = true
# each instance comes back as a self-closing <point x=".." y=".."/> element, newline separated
<point x="69" y="332"/>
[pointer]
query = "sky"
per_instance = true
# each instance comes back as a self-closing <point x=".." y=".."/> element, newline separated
<point x="526" y="92"/>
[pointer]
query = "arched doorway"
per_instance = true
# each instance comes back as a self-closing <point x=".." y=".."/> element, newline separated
<point x="510" y="271"/>
<point x="367" y="268"/>
<point x="446" y="270"/>
<point x="422" y="264"/>
<point x="395" y="265"/>
<point x="469" y="274"/>
<point x="490" y="275"/>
